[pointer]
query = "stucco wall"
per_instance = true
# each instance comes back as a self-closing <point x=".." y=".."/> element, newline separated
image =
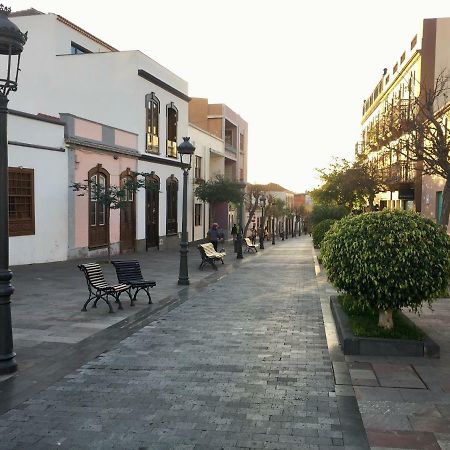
<point x="85" y="160"/>
<point x="49" y="243"/>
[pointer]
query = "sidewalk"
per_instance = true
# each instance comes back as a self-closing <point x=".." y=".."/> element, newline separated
<point x="52" y="336"/>
<point x="241" y="362"/>
<point x="404" y="402"/>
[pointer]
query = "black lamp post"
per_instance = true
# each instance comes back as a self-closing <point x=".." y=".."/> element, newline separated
<point x="12" y="41"/>
<point x="262" y="202"/>
<point x="186" y="150"/>
<point x="239" y="237"/>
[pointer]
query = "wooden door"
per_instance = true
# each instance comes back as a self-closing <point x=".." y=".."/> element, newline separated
<point x="98" y="212"/>
<point x="127" y="218"/>
<point x="152" y="211"/>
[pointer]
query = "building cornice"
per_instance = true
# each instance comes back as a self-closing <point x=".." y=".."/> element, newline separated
<point x="40" y="147"/>
<point x="84" y="32"/>
<point x="167" y="87"/>
<point x="40" y="117"/>
<point x="71" y="141"/>
<point x="164" y="162"/>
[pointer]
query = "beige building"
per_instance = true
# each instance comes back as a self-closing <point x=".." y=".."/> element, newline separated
<point x="221" y="141"/>
<point x="387" y="109"/>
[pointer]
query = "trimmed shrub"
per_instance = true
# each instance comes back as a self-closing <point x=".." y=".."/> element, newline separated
<point x="387" y="260"/>
<point x="319" y="231"/>
<point x="322" y="212"/>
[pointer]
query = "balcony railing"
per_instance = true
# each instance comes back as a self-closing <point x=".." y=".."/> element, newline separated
<point x="398" y="172"/>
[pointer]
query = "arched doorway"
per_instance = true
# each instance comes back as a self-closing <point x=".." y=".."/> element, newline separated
<point x="98" y="211"/>
<point x="152" y="211"/>
<point x="127" y="216"/>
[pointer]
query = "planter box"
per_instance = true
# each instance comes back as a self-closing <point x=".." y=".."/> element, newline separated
<point x="354" y="345"/>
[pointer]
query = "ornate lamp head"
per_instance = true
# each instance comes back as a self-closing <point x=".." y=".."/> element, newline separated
<point x="12" y="41"/>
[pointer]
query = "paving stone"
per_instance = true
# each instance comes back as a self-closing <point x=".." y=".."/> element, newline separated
<point x="236" y="365"/>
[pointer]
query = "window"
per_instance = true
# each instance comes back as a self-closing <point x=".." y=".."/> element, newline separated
<point x="438" y="206"/>
<point x="241" y="174"/>
<point x="97" y="209"/>
<point x="395" y="68"/>
<point x="414" y="42"/>
<point x="76" y="49"/>
<point x="172" y="205"/>
<point x="241" y="142"/>
<point x="152" y="106"/>
<point x="172" y="122"/>
<point x="198" y="168"/>
<point x="229" y="137"/>
<point x="198" y="214"/>
<point x="402" y="58"/>
<point x="21" y="201"/>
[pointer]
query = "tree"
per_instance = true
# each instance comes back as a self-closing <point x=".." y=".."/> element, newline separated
<point x="275" y="209"/>
<point x="387" y="260"/>
<point x="424" y="132"/>
<point x="251" y="200"/>
<point x="219" y="189"/>
<point x="350" y="184"/>
<point x="112" y="196"/>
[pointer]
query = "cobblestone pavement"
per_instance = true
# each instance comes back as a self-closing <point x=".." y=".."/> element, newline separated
<point x="243" y="363"/>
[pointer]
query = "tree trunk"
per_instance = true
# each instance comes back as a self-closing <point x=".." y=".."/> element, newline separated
<point x="385" y="319"/>
<point x="371" y="200"/>
<point x="250" y="215"/>
<point x="445" y="204"/>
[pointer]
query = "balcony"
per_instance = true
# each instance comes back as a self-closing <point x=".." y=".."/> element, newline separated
<point x="398" y="174"/>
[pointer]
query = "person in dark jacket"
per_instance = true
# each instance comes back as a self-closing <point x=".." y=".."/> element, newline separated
<point x="213" y="235"/>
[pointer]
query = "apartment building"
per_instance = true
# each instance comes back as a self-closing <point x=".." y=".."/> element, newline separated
<point x="110" y="113"/>
<point x="221" y="140"/>
<point x="387" y="112"/>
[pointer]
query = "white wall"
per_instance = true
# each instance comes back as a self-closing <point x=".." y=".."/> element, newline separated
<point x="102" y="87"/>
<point x="49" y="243"/>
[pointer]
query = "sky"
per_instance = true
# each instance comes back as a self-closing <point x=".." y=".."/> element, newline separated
<point x="296" y="70"/>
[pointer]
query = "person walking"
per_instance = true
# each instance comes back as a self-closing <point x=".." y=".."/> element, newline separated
<point x="234" y="236"/>
<point x="213" y="235"/>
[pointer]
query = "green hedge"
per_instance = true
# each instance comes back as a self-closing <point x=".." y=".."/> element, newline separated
<point x="319" y="231"/>
<point x="322" y="212"/>
<point x="388" y="259"/>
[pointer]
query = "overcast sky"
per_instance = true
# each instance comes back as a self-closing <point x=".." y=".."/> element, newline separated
<point x="297" y="71"/>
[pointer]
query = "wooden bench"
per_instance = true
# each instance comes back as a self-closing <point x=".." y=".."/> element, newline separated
<point x="129" y="272"/>
<point x="249" y="246"/>
<point x="99" y="288"/>
<point x="209" y="255"/>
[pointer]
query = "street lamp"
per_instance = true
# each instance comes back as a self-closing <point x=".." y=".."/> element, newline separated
<point x="186" y="150"/>
<point x="239" y="237"/>
<point x="12" y="41"/>
<point x="262" y="202"/>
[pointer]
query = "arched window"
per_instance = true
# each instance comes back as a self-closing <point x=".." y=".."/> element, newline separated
<point x="172" y="205"/>
<point x="172" y="124"/>
<point x="152" y="106"/>
<point x="98" y="210"/>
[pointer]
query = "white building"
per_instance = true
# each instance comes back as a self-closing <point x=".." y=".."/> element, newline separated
<point x="38" y="183"/>
<point x="135" y="110"/>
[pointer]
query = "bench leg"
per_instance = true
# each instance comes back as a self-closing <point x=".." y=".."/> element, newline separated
<point x="91" y="297"/>
<point x="147" y="290"/>
<point x="116" y="296"/>
<point x="132" y="298"/>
